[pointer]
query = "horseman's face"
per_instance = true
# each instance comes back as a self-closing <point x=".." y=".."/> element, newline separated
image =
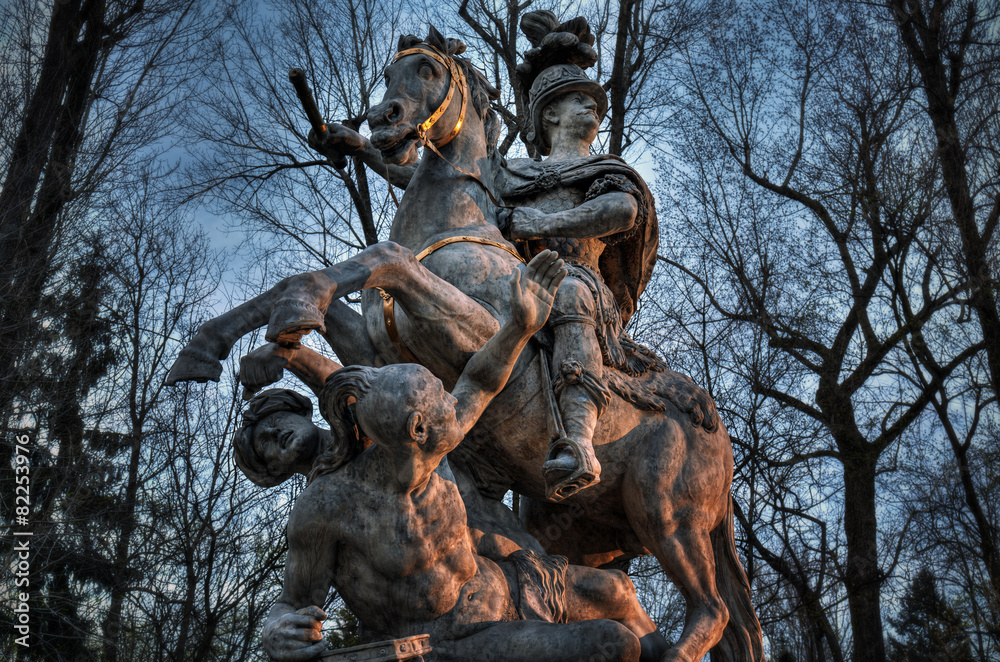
<point x="416" y="86"/>
<point x="575" y="114"/>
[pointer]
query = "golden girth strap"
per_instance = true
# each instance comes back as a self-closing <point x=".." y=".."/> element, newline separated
<point x="388" y="305"/>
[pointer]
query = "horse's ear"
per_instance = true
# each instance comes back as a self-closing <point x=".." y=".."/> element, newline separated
<point x="406" y="41"/>
<point x="436" y="39"/>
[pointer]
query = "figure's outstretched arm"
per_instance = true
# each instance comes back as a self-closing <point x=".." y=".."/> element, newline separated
<point x="266" y="365"/>
<point x="487" y="371"/>
<point x="602" y="216"/>
<point x="339" y="139"/>
<point x="292" y="631"/>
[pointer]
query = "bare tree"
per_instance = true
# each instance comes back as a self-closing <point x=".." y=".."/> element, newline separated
<point x="103" y="85"/>
<point x="161" y="278"/>
<point x="955" y="50"/>
<point x="802" y="207"/>
<point x="215" y="553"/>
<point x="635" y="42"/>
<point x="252" y="158"/>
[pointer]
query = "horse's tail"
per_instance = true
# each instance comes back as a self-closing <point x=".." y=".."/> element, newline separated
<point x="742" y="639"/>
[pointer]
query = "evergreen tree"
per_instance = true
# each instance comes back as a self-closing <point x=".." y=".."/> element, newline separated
<point x="930" y="629"/>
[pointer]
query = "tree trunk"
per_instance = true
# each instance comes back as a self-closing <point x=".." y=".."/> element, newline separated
<point x="863" y="577"/>
<point x="927" y="52"/>
<point x="364" y="203"/>
<point x="987" y="532"/>
<point x="37" y="183"/>
<point x="620" y="78"/>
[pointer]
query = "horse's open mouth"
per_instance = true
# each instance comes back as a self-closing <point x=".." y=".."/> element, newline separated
<point x="397" y="149"/>
<point x="395" y="143"/>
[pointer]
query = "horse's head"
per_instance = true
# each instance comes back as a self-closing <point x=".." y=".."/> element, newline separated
<point x="429" y="92"/>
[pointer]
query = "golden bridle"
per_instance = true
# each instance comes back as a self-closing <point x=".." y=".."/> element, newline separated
<point x="457" y="82"/>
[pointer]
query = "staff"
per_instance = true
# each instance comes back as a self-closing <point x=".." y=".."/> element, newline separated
<point x="298" y="79"/>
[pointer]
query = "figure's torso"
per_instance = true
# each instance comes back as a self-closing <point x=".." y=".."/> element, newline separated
<point x="562" y="197"/>
<point x="415" y="553"/>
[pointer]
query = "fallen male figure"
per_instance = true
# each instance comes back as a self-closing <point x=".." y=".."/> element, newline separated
<point x="387" y="528"/>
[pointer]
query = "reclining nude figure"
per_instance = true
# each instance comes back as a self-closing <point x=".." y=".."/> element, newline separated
<point x="388" y="529"/>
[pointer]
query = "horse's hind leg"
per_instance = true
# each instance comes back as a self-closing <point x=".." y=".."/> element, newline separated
<point x="673" y="509"/>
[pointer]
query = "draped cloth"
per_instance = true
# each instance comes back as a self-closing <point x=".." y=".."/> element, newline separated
<point x="627" y="263"/>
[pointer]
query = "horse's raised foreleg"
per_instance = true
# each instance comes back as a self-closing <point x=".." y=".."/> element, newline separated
<point x="673" y="505"/>
<point x="201" y="358"/>
<point x="299" y="304"/>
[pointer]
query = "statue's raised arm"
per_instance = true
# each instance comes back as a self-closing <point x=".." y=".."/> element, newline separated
<point x="339" y="139"/>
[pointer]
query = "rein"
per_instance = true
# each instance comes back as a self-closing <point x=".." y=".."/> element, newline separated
<point x="457" y="78"/>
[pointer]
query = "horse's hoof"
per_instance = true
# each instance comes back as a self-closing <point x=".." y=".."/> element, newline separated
<point x="291" y="319"/>
<point x="194" y="364"/>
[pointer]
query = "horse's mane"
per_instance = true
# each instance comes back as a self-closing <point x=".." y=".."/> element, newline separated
<point x="480" y="90"/>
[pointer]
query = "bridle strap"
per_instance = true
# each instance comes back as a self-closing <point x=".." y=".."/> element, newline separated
<point x="457" y="82"/>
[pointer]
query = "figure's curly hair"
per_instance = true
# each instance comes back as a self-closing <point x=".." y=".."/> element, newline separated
<point x="480" y="90"/>
<point x="337" y="401"/>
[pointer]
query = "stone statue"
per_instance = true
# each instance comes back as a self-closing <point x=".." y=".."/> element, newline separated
<point x="388" y="528"/>
<point x="598" y="214"/>
<point x="595" y="211"/>
<point x="437" y="292"/>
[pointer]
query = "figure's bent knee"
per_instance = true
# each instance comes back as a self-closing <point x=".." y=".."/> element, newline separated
<point x="573" y="302"/>
<point x="610" y="641"/>
<point x="304" y="281"/>
<point x="623" y="588"/>
<point x="573" y="291"/>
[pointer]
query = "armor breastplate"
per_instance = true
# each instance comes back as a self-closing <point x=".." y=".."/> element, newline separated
<point x="561" y="198"/>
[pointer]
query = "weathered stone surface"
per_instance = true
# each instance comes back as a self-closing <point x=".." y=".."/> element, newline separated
<point x="388" y="529"/>
<point x="422" y="544"/>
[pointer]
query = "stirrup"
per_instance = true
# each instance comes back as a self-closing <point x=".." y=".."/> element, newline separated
<point x="560" y="483"/>
<point x="291" y="319"/>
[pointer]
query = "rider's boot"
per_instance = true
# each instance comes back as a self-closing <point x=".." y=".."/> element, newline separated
<point x="571" y="464"/>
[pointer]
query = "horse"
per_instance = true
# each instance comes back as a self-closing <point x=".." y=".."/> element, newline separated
<point x="440" y="281"/>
